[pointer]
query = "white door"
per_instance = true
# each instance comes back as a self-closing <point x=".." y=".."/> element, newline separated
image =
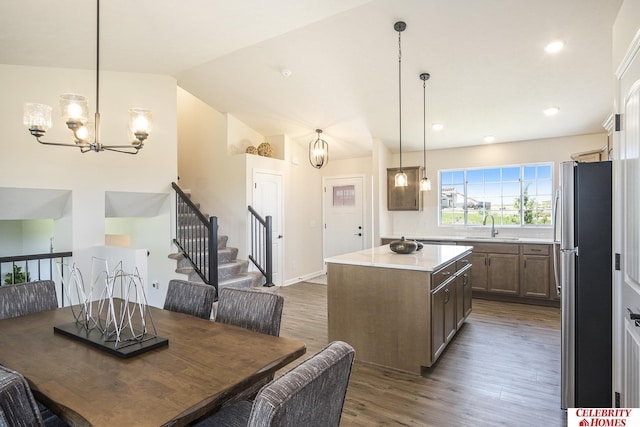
<point x="268" y="200"/>
<point x="343" y="206"/>
<point x="627" y="205"/>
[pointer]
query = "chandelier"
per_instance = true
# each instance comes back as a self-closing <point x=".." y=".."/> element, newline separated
<point x="318" y="151"/>
<point x="75" y="112"/>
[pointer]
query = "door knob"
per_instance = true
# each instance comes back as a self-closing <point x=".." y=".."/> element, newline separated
<point x="358" y="234"/>
<point x="279" y="236"/>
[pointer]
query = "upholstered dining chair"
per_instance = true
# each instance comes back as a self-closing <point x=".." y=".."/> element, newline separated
<point x="252" y="309"/>
<point x="190" y="297"/>
<point x="27" y="298"/>
<point x="310" y="394"/>
<point x="18" y="407"/>
<point x="17" y="404"/>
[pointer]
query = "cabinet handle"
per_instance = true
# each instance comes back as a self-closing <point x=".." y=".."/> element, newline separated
<point x="446" y="273"/>
<point x="465" y="279"/>
<point x="535" y="250"/>
<point x="447" y="296"/>
<point x="464" y="261"/>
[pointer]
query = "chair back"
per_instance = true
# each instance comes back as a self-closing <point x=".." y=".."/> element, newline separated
<point x="26" y="298"/>
<point x="311" y="394"/>
<point x="253" y="309"/>
<point x="190" y="297"/>
<point x="17" y="404"/>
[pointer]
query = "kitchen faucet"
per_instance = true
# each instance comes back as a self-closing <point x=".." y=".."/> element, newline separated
<point x="493" y="225"/>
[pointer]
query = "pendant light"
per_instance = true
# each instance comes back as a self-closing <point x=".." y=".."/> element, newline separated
<point x="425" y="184"/>
<point x="401" y="177"/>
<point x="318" y="151"/>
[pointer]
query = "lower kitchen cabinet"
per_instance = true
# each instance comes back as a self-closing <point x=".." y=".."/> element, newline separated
<point x="503" y="274"/>
<point x="535" y="276"/>
<point x="463" y="296"/>
<point x="443" y="317"/>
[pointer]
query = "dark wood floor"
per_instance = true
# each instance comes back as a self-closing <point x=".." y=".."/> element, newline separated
<point x="502" y="369"/>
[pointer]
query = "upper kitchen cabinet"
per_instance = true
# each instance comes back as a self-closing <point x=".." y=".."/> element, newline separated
<point x="407" y="198"/>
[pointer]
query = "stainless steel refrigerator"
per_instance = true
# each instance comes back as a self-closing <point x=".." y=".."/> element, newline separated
<point x="583" y="237"/>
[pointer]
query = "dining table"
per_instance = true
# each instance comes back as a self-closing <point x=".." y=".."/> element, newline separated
<point x="203" y="365"/>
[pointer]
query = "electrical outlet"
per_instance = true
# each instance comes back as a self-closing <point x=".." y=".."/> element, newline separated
<point x="155" y="285"/>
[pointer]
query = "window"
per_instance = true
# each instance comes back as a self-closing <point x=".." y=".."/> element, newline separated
<point x="519" y="195"/>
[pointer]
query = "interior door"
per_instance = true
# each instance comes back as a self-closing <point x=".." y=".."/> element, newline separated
<point x="627" y="205"/>
<point x="343" y="205"/>
<point x="268" y="200"/>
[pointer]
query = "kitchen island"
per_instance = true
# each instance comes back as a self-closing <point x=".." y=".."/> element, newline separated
<point x="399" y="310"/>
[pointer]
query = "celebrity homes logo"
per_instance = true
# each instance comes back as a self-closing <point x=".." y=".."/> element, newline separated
<point x="603" y="417"/>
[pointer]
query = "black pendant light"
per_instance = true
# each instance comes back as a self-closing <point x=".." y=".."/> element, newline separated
<point x="425" y="184"/>
<point x="401" y="177"/>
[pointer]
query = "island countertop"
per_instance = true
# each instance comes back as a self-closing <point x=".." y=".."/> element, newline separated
<point x="429" y="258"/>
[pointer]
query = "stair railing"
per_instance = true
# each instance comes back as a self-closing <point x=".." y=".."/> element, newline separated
<point x="261" y="250"/>
<point x="197" y="237"/>
<point x="29" y="268"/>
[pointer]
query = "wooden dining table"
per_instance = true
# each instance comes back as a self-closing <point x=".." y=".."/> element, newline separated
<point x="204" y="365"/>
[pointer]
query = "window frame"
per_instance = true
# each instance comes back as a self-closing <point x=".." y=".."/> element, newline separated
<point x="538" y="182"/>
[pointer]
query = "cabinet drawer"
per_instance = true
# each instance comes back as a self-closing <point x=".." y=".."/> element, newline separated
<point x="440" y="276"/>
<point x="496" y="248"/>
<point x="463" y="262"/>
<point x="530" y="249"/>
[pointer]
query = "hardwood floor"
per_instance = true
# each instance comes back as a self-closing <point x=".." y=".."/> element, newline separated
<point x="502" y="368"/>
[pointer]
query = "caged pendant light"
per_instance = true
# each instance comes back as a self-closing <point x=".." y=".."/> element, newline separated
<point x="401" y="177"/>
<point x="425" y="184"/>
<point x="318" y="151"/>
<point x="75" y="112"/>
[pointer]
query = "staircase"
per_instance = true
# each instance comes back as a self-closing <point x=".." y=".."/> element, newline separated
<point x="231" y="271"/>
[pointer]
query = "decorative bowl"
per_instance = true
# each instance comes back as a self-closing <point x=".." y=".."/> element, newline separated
<point x="403" y="246"/>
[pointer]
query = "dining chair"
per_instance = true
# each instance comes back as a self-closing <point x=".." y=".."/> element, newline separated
<point x="252" y="309"/>
<point x="310" y="394"/>
<point x="190" y="297"/>
<point x="18" y="407"/>
<point x="21" y="299"/>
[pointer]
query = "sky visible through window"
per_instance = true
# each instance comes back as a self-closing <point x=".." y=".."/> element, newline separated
<point x="519" y="195"/>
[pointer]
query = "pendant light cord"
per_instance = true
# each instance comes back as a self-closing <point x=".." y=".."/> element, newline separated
<point x="400" y="93"/>
<point x="424" y="126"/>
<point x="98" y="57"/>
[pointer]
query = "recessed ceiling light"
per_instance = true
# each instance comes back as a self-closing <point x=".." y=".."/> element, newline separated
<point x="489" y="139"/>
<point x="551" y="111"/>
<point x="437" y="126"/>
<point x="554" y="46"/>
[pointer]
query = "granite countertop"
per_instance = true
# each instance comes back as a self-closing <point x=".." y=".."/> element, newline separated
<point x="498" y="239"/>
<point x="429" y="258"/>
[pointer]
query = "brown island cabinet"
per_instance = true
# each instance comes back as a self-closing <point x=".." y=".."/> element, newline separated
<point x="518" y="270"/>
<point x="399" y="310"/>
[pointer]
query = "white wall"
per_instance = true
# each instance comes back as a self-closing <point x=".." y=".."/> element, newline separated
<point x="425" y="222"/>
<point x="26" y="164"/>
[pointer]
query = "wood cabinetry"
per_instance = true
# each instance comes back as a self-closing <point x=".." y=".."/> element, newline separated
<point x="536" y="271"/>
<point x="463" y="295"/>
<point x="513" y="272"/>
<point x="402" y="318"/>
<point x="450" y="303"/>
<point x="407" y="198"/>
<point x="443" y="317"/>
<point x="496" y="268"/>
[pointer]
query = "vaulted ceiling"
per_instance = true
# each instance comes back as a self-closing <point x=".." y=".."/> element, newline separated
<point x="489" y="72"/>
